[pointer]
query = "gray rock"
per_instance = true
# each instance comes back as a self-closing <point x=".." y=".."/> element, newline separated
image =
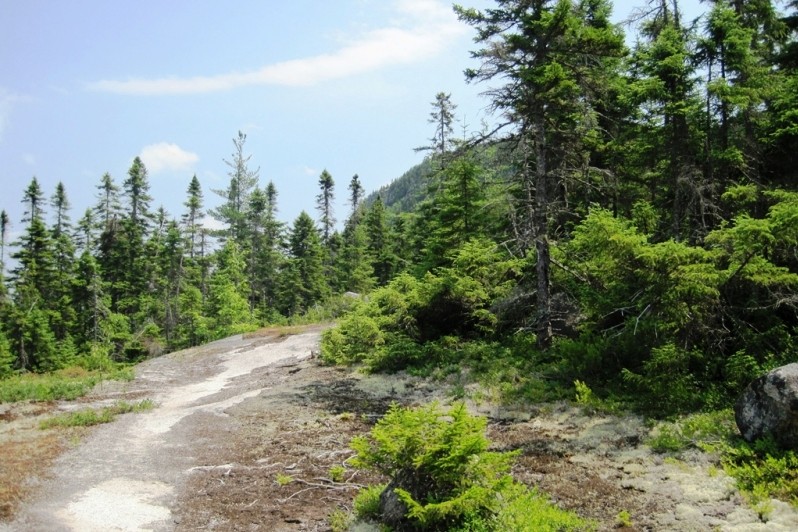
<point x="769" y="405"/>
<point x="392" y="510"/>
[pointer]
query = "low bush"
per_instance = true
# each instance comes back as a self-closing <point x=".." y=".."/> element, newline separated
<point x="68" y="383"/>
<point x="443" y="477"/>
<point x="761" y="469"/>
<point x="89" y="416"/>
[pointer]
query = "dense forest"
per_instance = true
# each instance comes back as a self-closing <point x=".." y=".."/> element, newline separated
<point x="630" y="219"/>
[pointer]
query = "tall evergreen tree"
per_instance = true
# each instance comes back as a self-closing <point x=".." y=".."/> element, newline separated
<point x="353" y="269"/>
<point x="108" y="206"/>
<point x="355" y="197"/>
<point x="5" y="224"/>
<point x="457" y="214"/>
<point x="30" y="332"/>
<point x="60" y="300"/>
<point x="236" y="197"/>
<point x="91" y="305"/>
<point x="192" y="219"/>
<point x="136" y="189"/>
<point x="549" y="56"/>
<point x="664" y="86"/>
<point x="305" y="270"/>
<point x="85" y="232"/>
<point x="324" y="204"/>
<point x="442" y="117"/>
<point x="228" y="305"/>
<point x="379" y="238"/>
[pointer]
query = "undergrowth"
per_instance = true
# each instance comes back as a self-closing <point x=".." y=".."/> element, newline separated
<point x="69" y="383"/>
<point x="444" y="477"/>
<point x="90" y="416"/>
<point x="761" y="469"/>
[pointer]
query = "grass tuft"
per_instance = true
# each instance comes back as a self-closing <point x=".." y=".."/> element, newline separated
<point x="65" y="384"/>
<point x="90" y="416"/>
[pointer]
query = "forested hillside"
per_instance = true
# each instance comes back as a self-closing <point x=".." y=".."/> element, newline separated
<point x="632" y="221"/>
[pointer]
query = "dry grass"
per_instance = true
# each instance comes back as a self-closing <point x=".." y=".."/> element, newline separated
<point x="28" y="456"/>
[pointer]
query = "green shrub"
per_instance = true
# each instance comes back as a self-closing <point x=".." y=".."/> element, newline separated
<point x="709" y="431"/>
<point x="444" y="476"/>
<point x="339" y="521"/>
<point x="367" y="502"/>
<point x="392" y="328"/>
<point x="90" y="416"/>
<point x="527" y="510"/>
<point x="68" y="383"/>
<point x="763" y="470"/>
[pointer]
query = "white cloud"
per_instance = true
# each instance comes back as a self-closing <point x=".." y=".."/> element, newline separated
<point x="167" y="156"/>
<point x="212" y="224"/>
<point x="427" y="28"/>
<point x="7" y="101"/>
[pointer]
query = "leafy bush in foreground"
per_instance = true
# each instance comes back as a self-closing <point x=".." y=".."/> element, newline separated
<point x="442" y="476"/>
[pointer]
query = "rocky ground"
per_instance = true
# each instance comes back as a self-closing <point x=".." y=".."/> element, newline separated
<point x="252" y="434"/>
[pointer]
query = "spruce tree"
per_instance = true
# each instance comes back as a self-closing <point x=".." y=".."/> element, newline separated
<point x="355" y="197"/>
<point x="91" y="304"/>
<point x="442" y="117"/>
<point x="236" y="197"/>
<point x="7" y="358"/>
<point x="85" y="232"/>
<point x="306" y="264"/>
<point x="60" y="299"/>
<point x="108" y="206"/>
<point x="664" y="86"/>
<point x="324" y="204"/>
<point x="379" y="238"/>
<point x="136" y="189"/>
<point x="550" y="57"/>
<point x="192" y="219"/>
<point x="5" y="224"/>
<point x="228" y="305"/>
<point x="30" y="331"/>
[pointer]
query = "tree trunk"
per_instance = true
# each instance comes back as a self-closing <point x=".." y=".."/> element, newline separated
<point x="542" y="268"/>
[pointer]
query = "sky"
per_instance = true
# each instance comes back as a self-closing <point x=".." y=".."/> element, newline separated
<point x="343" y="85"/>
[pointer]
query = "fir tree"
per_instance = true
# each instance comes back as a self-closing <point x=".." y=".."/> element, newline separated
<point x="236" y="197"/>
<point x="379" y="242"/>
<point x="91" y="305"/>
<point x="108" y="206"/>
<point x="324" y="204"/>
<point x="355" y="198"/>
<point x="85" y="232"/>
<point x="306" y="264"/>
<point x="192" y="219"/>
<point x="5" y="224"/>
<point x="228" y="305"/>
<point x="550" y="56"/>
<point x="60" y="300"/>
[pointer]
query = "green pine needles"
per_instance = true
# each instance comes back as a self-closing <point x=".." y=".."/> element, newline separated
<point x="443" y="477"/>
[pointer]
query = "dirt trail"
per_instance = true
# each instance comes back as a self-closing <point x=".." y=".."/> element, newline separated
<point x="253" y="434"/>
<point x="125" y="476"/>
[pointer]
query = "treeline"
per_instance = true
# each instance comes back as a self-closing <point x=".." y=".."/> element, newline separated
<point x="631" y="221"/>
<point x="127" y="281"/>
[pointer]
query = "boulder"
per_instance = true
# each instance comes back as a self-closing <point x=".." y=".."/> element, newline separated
<point x="769" y="405"/>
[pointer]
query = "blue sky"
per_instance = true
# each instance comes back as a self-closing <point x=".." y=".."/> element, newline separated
<point x="344" y="85"/>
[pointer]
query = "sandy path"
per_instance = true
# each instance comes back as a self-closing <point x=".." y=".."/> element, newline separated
<point x="126" y="475"/>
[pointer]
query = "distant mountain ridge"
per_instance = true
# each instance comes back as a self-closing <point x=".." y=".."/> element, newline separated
<point x="405" y="192"/>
